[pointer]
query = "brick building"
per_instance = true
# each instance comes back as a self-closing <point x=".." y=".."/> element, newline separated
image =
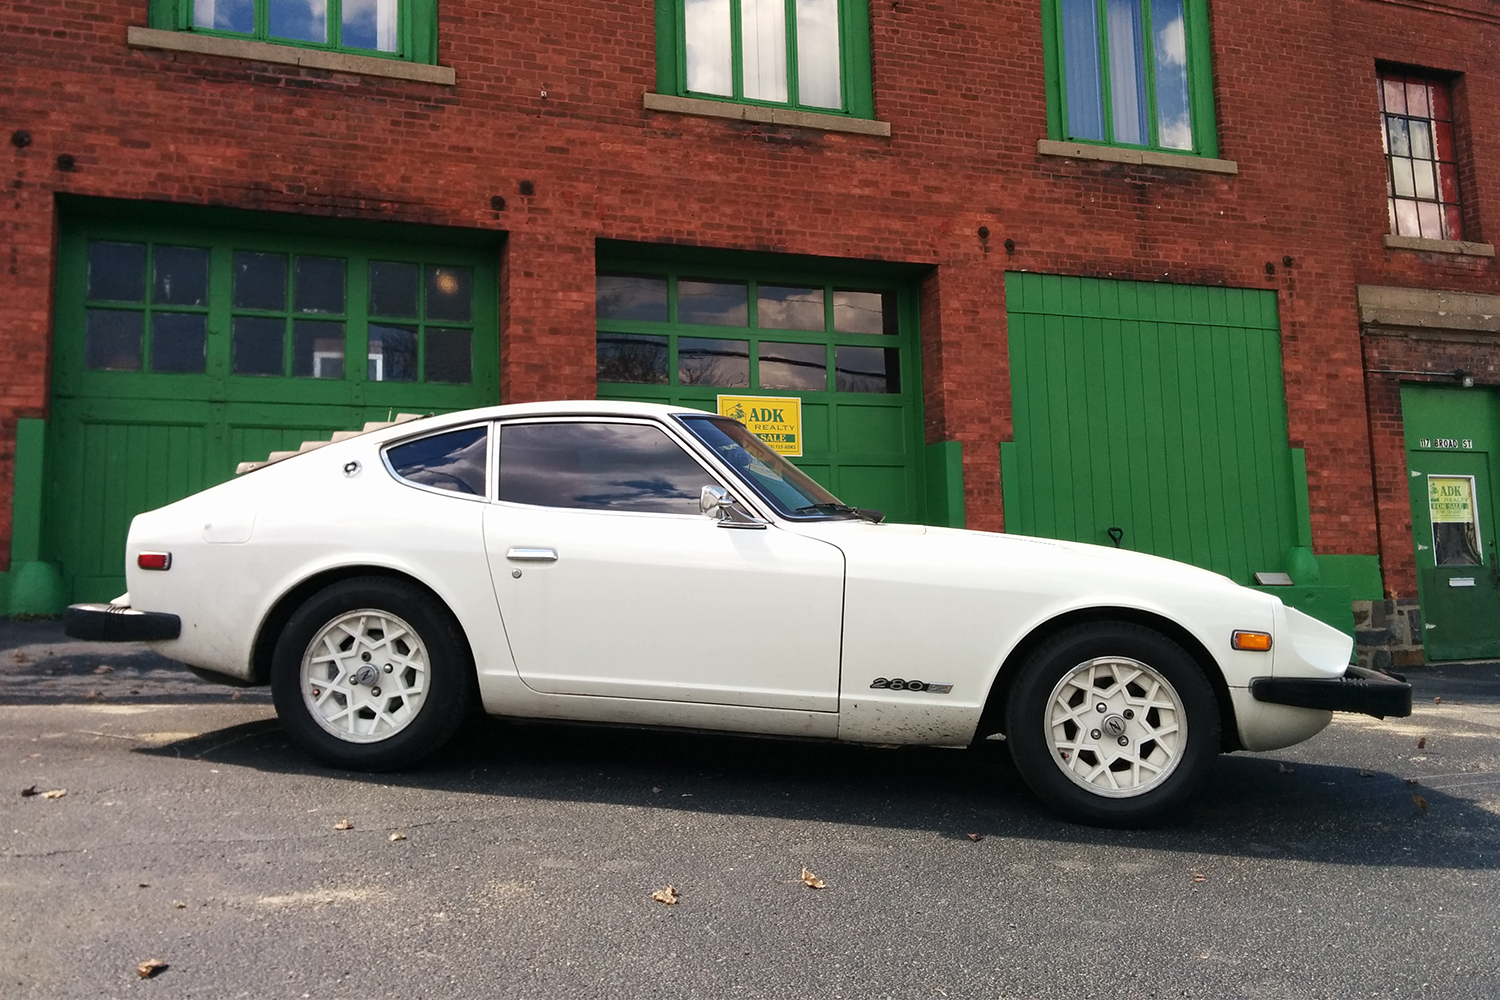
<point x="1207" y="280"/>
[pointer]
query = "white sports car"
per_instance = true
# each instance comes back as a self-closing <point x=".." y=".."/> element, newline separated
<point x="661" y="566"/>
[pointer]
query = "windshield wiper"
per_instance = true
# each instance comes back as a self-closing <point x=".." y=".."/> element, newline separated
<point x="863" y="513"/>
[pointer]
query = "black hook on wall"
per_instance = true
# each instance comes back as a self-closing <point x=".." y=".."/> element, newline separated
<point x="1115" y="535"/>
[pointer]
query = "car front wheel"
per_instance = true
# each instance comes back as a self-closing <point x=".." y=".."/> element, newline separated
<point x="371" y="673"/>
<point x="1113" y="724"/>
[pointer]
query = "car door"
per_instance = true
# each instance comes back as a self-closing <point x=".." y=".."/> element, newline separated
<point x="611" y="582"/>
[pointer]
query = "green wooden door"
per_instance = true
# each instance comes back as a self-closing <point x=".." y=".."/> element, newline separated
<point x="845" y="345"/>
<point x="183" y="350"/>
<point x="1154" y="409"/>
<point x="1453" y="462"/>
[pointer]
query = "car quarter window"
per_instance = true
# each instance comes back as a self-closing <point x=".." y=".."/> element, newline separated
<point x="453" y="460"/>
<point x="597" y="465"/>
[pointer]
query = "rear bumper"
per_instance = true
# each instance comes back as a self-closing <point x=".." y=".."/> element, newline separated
<point x="1367" y="692"/>
<point x="113" y="623"/>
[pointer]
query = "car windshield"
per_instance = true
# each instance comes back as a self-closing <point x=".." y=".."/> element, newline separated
<point x="780" y="483"/>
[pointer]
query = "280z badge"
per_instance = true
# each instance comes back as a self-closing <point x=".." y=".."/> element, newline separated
<point x="898" y="684"/>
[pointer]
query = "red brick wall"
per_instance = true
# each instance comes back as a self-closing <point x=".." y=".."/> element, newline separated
<point x="961" y="84"/>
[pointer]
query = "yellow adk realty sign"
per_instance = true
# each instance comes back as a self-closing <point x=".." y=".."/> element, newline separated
<point x="776" y="420"/>
<point x="1449" y="498"/>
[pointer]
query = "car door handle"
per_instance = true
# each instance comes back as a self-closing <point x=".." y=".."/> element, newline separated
<point x="531" y="555"/>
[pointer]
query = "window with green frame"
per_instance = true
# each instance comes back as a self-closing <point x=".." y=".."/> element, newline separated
<point x="1130" y="73"/>
<point x="812" y="55"/>
<point x="395" y="29"/>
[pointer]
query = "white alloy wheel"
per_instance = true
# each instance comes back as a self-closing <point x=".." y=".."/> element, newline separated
<point x="1117" y="726"/>
<point x="365" y="676"/>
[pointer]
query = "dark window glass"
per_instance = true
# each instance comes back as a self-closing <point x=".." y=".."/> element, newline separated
<point x="599" y="466"/>
<point x="630" y="296"/>
<point x="319" y="285"/>
<point x="255" y="345"/>
<point x="117" y="272"/>
<point x="713" y="362"/>
<point x="717" y="303"/>
<point x="393" y="353"/>
<point x="317" y="349"/>
<point x="177" y="342"/>
<point x="793" y="366"/>
<point x="451" y="461"/>
<point x="259" y="281"/>
<point x="179" y="277"/>
<point x="779" y="308"/>
<point x="393" y="289"/>
<point x="450" y="293"/>
<point x="865" y="312"/>
<point x="449" y="356"/>
<point x="867" y="369"/>
<point x="624" y="357"/>
<point x="112" y="340"/>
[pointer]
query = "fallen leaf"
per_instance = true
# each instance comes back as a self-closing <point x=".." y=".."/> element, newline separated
<point x="1199" y="877"/>
<point x="398" y="835"/>
<point x="1421" y="743"/>
<point x="29" y="791"/>
<point x="812" y="881"/>
<point x="151" y="967"/>
<point x="56" y="793"/>
<point x="1411" y="782"/>
<point x="1421" y="803"/>
<point x="1437" y="700"/>
<point x="344" y="824"/>
<point x="143" y="885"/>
<point x="656" y="788"/>
<point x="1283" y="769"/>
<point x="237" y="696"/>
<point x="1366" y="774"/>
<point x="667" y="895"/>
<point x="18" y="657"/>
<point x="976" y="837"/>
<point x="103" y="668"/>
<point x="92" y="695"/>
<point x="178" y="904"/>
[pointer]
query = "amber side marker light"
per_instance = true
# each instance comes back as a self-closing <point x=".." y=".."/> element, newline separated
<point x="163" y="560"/>
<point x="1255" y="642"/>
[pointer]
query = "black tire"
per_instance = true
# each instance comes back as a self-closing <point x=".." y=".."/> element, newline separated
<point x="450" y="674"/>
<point x="1041" y="763"/>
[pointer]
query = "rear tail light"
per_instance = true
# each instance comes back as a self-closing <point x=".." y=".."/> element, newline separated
<point x="154" y="560"/>
<point x="1258" y="642"/>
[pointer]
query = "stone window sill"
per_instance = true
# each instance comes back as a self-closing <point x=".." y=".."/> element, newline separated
<point x="1394" y="242"/>
<point x="286" y="55"/>
<point x="765" y="116"/>
<point x="1135" y="157"/>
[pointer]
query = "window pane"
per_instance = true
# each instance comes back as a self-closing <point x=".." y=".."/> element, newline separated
<point x="1442" y="108"/>
<point x="256" y="345"/>
<point x="865" y="312"/>
<point x="179" y="276"/>
<point x="317" y="349"/>
<point x="450" y="293"/>
<point x="630" y="296"/>
<point x="370" y="24"/>
<point x="1416" y="99"/>
<point x="1401" y="177"/>
<point x="1425" y="182"/>
<point x="1080" y="31"/>
<point x="1393" y="93"/>
<point x="627" y="358"/>
<point x="818" y="54"/>
<point x="778" y="308"/>
<point x="177" y="342"/>
<point x="1420" y="134"/>
<point x="1396" y="131"/>
<point x="319" y="286"/>
<point x="259" y="281"/>
<point x="225" y="15"/>
<point x="393" y="353"/>
<point x="449" y="356"/>
<point x="709" y="66"/>
<point x="112" y="340"/>
<point x="1174" y="125"/>
<point x="867" y="369"/>
<point x="763" y="49"/>
<point x="1443" y="141"/>
<point x="117" y="272"/>
<point x="598" y="466"/>
<point x="1453" y="223"/>
<point x="1406" y="218"/>
<point x="452" y="461"/>
<point x="393" y="289"/>
<point x="794" y="366"/>
<point x="1127" y="71"/>
<point x="713" y="362"/>
<point x="1448" y="182"/>
<point x="300" y="20"/>
<point x="717" y="303"/>
<point x="1430" y="219"/>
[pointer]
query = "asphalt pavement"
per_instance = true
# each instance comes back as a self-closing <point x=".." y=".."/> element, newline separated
<point x="521" y="861"/>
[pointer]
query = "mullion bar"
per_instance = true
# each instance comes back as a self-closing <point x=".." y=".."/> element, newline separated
<point x="1106" y="89"/>
<point x="736" y="52"/>
<point x="1148" y="61"/>
<point x="793" y="84"/>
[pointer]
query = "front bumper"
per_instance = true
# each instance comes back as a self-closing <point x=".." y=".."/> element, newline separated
<point x="1367" y="692"/>
<point x="115" y="623"/>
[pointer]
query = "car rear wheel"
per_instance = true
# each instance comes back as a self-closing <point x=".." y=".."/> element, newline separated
<point x="371" y="673"/>
<point x="1113" y="724"/>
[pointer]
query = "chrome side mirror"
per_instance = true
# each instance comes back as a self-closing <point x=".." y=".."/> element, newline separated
<point x="715" y="502"/>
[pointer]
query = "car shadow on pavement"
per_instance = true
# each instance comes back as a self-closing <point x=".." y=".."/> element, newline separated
<point x="1253" y="806"/>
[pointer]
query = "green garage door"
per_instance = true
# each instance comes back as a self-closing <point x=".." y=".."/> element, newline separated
<point x="844" y="345"/>
<point x="1154" y="409"/>
<point x="182" y="350"/>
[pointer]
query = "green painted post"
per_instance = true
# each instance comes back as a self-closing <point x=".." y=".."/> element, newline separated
<point x="36" y="587"/>
<point x="945" y="483"/>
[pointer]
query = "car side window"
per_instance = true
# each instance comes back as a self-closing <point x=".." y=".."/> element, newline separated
<point x="599" y="466"/>
<point x="453" y="460"/>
